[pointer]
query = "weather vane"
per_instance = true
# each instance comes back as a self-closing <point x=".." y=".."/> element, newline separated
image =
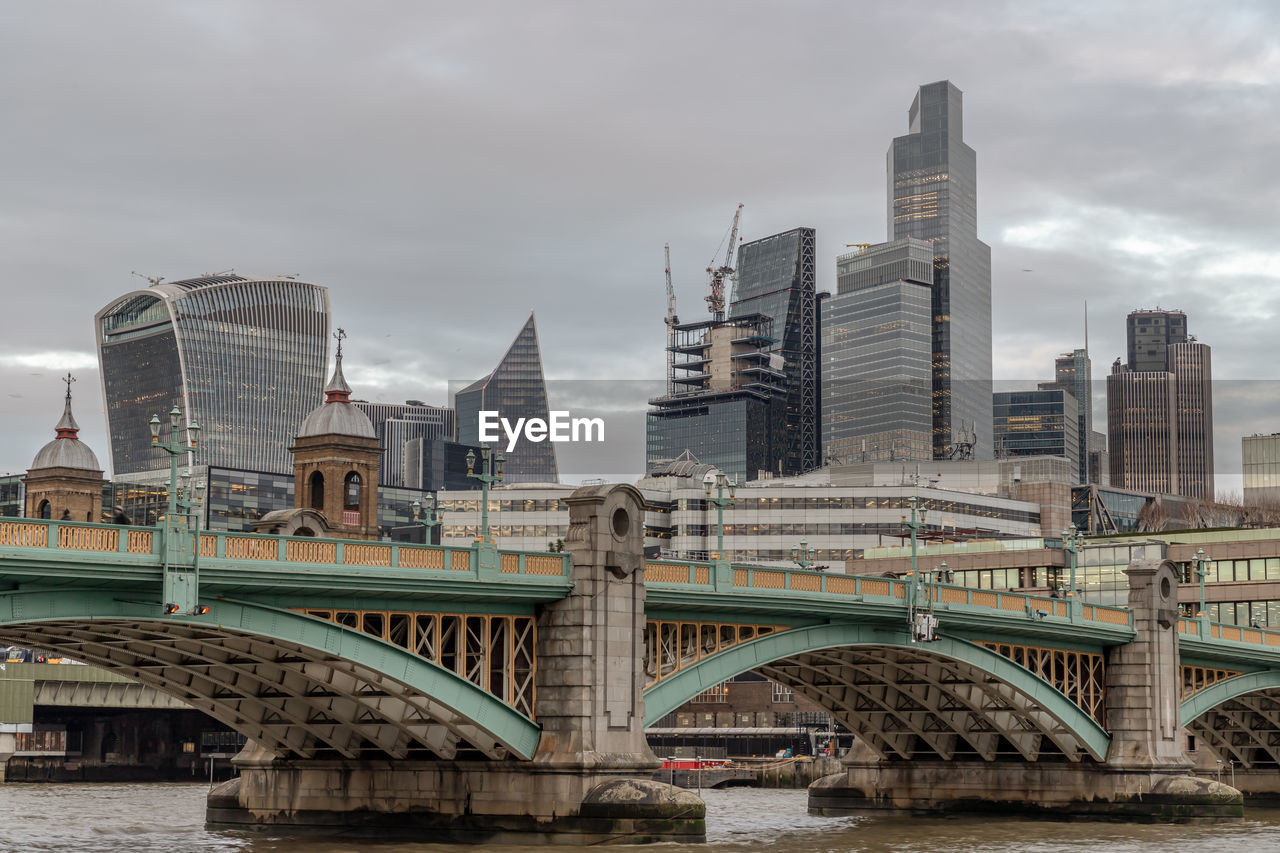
<point x="69" y="380"/>
<point x="340" y="335"/>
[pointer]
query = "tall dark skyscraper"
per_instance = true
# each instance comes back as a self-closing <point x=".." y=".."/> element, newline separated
<point x="1150" y="450"/>
<point x="776" y="277"/>
<point x="515" y="389"/>
<point x="243" y="357"/>
<point x="932" y="195"/>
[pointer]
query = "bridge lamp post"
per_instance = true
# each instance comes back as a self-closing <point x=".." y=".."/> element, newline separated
<point x="802" y="555"/>
<point x="914" y="524"/>
<point x="1201" y="560"/>
<point x="720" y="481"/>
<point x="490" y="472"/>
<point x="181" y="582"/>
<point x="431" y="521"/>
<point x="1071" y="544"/>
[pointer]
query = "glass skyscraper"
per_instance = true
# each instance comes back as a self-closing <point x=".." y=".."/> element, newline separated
<point x="877" y="355"/>
<point x="932" y="195"/>
<point x="1072" y="373"/>
<point x="776" y="277"/>
<point x="243" y="357"/>
<point x="515" y="389"/>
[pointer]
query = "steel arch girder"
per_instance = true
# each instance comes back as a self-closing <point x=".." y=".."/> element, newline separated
<point x="1225" y="690"/>
<point x="490" y="715"/>
<point x="675" y="690"/>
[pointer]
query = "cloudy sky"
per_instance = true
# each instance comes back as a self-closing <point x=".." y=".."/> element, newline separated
<point x="444" y="168"/>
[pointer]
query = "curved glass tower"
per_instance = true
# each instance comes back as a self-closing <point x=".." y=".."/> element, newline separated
<point x="245" y="358"/>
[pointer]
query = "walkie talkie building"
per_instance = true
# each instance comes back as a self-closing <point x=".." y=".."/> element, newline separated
<point x="244" y="357"/>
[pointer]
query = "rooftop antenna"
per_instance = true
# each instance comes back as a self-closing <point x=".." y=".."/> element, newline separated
<point x="154" y="279"/>
<point x="1086" y="328"/>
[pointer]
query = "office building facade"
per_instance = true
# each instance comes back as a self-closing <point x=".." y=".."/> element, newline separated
<point x="243" y="357"/>
<point x="728" y="404"/>
<point x="397" y="424"/>
<point x="1260" y="465"/>
<point x="776" y="276"/>
<point x="1192" y="368"/>
<point x="1142" y="433"/>
<point x="1149" y="335"/>
<point x="1036" y="423"/>
<point x="515" y="389"/>
<point x="932" y="195"/>
<point x="877" y="355"/>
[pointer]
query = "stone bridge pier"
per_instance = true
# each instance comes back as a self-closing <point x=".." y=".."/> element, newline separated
<point x="1145" y="773"/>
<point x="589" y="780"/>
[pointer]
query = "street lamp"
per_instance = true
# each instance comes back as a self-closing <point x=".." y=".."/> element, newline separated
<point x="490" y="472"/>
<point x="720" y="481"/>
<point x="1071" y="544"/>
<point x="1201" y="560"/>
<point x="181" y="584"/>
<point x="431" y="521"/>
<point x="914" y="525"/>
<point x="802" y="555"/>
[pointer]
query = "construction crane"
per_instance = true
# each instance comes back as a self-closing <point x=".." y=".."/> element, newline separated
<point x="716" y="275"/>
<point x="671" y="322"/>
<point x="672" y="319"/>
<point x="861" y="247"/>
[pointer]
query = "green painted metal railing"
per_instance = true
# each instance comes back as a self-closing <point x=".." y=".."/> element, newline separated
<point x="286" y="551"/>
<point x="771" y="581"/>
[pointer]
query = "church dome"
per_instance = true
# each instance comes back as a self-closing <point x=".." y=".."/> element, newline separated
<point x="336" y="415"/>
<point x="66" y="451"/>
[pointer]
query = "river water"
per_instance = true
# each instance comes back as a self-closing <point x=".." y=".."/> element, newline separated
<point x="170" y="819"/>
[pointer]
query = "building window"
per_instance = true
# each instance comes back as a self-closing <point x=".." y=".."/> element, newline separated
<point x="317" y="491"/>
<point x="46" y="510"/>
<point x="719" y="693"/>
<point x="782" y="693"/>
<point x="351" y="491"/>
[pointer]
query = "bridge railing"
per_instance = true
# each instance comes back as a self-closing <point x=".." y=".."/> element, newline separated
<point x="281" y="550"/>
<point x="1203" y="629"/>
<point x="771" y="580"/>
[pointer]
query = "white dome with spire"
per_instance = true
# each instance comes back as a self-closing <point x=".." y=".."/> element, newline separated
<point x="336" y="415"/>
<point x="66" y="451"/>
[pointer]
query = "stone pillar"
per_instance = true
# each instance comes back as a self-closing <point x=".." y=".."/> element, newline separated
<point x="8" y="745"/>
<point x="591" y="645"/>
<point x="1144" y="679"/>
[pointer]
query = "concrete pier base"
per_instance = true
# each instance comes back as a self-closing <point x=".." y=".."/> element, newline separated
<point x="1048" y="789"/>
<point x="456" y="801"/>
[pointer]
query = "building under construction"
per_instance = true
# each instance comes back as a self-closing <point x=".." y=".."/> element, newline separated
<point x="725" y="400"/>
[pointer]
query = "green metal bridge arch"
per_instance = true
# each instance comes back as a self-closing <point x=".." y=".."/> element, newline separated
<point x="949" y="695"/>
<point x="298" y="685"/>
<point x="1238" y="718"/>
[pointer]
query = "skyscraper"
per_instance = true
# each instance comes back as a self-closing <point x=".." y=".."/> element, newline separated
<point x="932" y="195"/>
<point x="243" y="357"/>
<point x="1142" y="429"/>
<point x="1149" y="334"/>
<point x="776" y="277"/>
<point x="1192" y="369"/>
<point x="728" y="406"/>
<point x="877" y="355"/>
<point x="1072" y="373"/>
<point x="1162" y="356"/>
<point x="515" y="389"/>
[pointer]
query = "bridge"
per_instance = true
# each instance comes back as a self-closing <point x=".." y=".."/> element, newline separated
<point x="490" y="693"/>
